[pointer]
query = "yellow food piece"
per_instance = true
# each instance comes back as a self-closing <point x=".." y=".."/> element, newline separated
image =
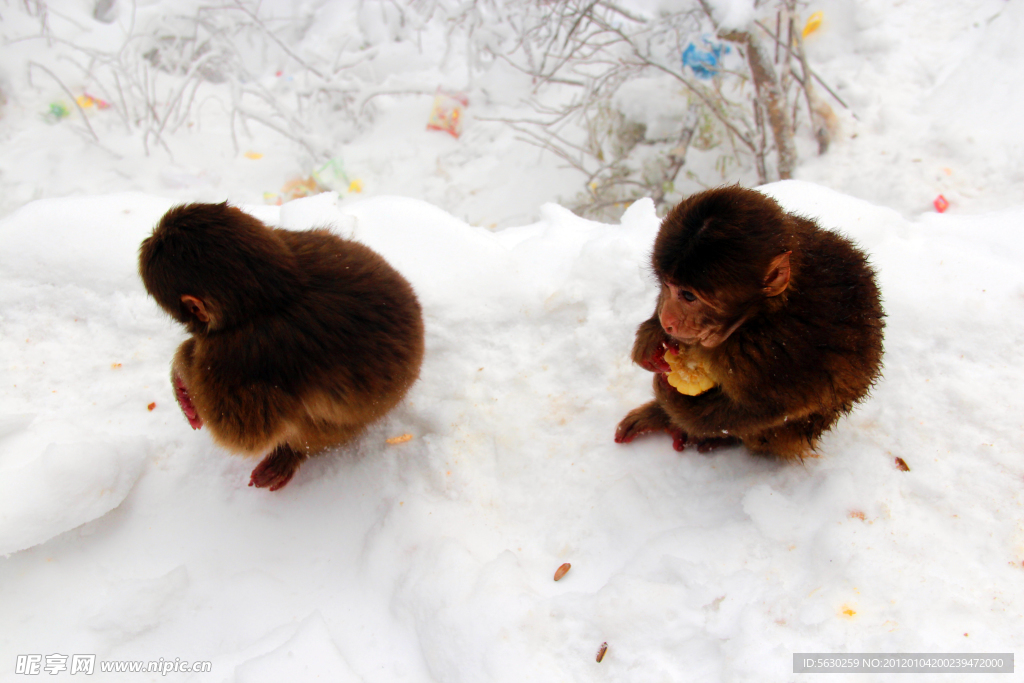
<point x="813" y="23"/>
<point x="687" y="376"/>
<point x="399" y="439"/>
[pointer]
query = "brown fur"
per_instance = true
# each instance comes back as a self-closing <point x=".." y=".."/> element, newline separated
<point x="309" y="337"/>
<point x="795" y="361"/>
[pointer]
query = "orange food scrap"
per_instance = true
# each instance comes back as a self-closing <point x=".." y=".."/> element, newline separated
<point x="561" y="571"/>
<point x="399" y="439"/>
<point x="115" y="366"/>
<point x="151" y="407"/>
<point x="600" y="652"/>
<point x="856" y="514"/>
<point x="902" y="465"/>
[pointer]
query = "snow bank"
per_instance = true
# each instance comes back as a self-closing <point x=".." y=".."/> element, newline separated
<point x="80" y="241"/>
<point x="432" y="560"/>
<point x="65" y="486"/>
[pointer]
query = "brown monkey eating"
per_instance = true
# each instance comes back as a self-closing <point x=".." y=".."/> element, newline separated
<point x="299" y="341"/>
<point x="783" y="317"/>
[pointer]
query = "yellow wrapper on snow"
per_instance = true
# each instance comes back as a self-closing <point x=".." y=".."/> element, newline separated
<point x="813" y="23"/>
<point x="687" y="376"/>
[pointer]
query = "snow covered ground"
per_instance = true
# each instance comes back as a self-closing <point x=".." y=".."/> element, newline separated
<point x="131" y="537"/>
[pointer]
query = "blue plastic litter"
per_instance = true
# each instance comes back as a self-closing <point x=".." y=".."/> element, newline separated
<point x="705" y="62"/>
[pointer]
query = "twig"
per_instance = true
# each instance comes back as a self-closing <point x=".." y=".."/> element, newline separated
<point x="690" y="86"/>
<point x="770" y="93"/>
<point x="678" y="154"/>
<point x="274" y="38"/>
<point x="622" y="11"/>
<point x="816" y="76"/>
<point x="244" y="113"/>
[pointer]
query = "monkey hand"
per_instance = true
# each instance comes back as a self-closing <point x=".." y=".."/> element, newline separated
<point x="650" y="346"/>
<point x="656" y="361"/>
<point x="185" y="401"/>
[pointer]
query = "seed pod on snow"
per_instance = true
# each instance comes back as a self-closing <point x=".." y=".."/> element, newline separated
<point x="600" y="652"/>
<point x="561" y="571"/>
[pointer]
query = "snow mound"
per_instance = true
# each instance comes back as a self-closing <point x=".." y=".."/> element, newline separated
<point x="80" y="240"/>
<point x="63" y="487"/>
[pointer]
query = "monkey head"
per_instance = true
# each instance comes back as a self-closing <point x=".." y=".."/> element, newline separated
<point x="720" y="256"/>
<point x="213" y="266"/>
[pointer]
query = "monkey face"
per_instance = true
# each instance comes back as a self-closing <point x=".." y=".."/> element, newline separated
<point x="708" y="319"/>
<point x="693" y="317"/>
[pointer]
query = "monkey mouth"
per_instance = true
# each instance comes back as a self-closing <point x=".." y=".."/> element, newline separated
<point x="708" y="338"/>
<point x="686" y="339"/>
<point x="711" y="339"/>
<point x="713" y="336"/>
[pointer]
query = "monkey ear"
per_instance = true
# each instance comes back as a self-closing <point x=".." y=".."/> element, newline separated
<point x="777" y="280"/>
<point x="196" y="307"/>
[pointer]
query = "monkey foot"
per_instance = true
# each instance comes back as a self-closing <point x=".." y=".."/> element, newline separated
<point x="185" y="401"/>
<point x="628" y="431"/>
<point x="679" y="438"/>
<point x="708" y="445"/>
<point x="277" y="469"/>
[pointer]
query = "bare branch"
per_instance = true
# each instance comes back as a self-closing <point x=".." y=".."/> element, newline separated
<point x="799" y="38"/>
<point x="770" y="93"/>
<point x="270" y="34"/>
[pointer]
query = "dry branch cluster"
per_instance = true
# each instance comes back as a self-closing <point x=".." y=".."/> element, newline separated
<point x="587" y="58"/>
<point x="236" y="58"/>
<point x="609" y="92"/>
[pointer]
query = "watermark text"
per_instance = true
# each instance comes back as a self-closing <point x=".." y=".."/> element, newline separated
<point x="36" y="665"/>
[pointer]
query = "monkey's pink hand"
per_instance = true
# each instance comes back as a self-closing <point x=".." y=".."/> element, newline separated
<point x="181" y="393"/>
<point x="656" y="361"/>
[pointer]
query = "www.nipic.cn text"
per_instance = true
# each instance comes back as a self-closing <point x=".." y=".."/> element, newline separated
<point x="34" y="665"/>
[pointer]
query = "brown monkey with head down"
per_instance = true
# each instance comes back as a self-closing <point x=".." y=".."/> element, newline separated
<point x="782" y="316"/>
<point x="299" y="339"/>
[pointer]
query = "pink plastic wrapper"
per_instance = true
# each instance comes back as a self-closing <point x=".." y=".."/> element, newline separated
<point x="446" y="114"/>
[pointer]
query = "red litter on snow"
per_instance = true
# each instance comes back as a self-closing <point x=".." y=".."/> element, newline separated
<point x="446" y="114"/>
<point x="941" y="204"/>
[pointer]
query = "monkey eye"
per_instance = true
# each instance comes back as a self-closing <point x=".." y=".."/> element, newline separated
<point x="689" y="296"/>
